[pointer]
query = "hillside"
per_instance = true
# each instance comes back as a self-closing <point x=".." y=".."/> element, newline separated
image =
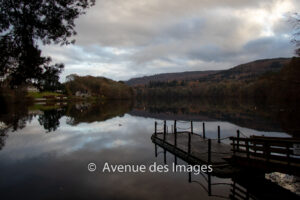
<point x="248" y="71"/>
<point x="165" y="77"/>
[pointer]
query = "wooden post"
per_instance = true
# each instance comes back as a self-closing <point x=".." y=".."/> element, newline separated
<point x="247" y="149"/>
<point x="238" y="141"/>
<point x="189" y="144"/>
<point x="175" y="139"/>
<point x="155" y="148"/>
<point x="267" y="150"/>
<point x="155" y="128"/>
<point x="219" y="135"/>
<point x="164" y="130"/>
<point x="233" y="145"/>
<point x="192" y="127"/>
<point x="190" y="177"/>
<point x="165" y="156"/>
<point x="175" y="134"/>
<point x="203" y="124"/>
<point x="209" y="184"/>
<point x="209" y="151"/>
<point x="175" y="126"/>
<point x="288" y="153"/>
<point x="175" y="159"/>
<point x="233" y="190"/>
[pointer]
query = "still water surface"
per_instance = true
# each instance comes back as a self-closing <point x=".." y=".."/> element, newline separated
<point x="45" y="154"/>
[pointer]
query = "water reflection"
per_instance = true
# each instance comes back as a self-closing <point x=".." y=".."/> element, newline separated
<point x="49" y="119"/>
<point x="35" y="165"/>
<point x="248" y="114"/>
<point x="91" y="112"/>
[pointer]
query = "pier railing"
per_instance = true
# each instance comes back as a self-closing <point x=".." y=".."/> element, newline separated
<point x="269" y="149"/>
<point x="162" y="128"/>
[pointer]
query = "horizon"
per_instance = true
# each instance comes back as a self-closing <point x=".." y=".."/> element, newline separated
<point x="147" y="38"/>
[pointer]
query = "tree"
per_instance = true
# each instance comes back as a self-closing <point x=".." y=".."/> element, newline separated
<point x="24" y="24"/>
<point x="50" y="78"/>
<point x="295" y="18"/>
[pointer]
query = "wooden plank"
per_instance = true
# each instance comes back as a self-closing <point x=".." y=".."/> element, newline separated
<point x="271" y="140"/>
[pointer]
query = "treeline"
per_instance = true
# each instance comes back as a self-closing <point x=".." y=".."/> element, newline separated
<point x="283" y="85"/>
<point x="155" y="84"/>
<point x="97" y="87"/>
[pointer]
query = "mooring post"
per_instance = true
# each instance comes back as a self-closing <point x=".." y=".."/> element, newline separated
<point x="233" y="189"/>
<point x="175" y="134"/>
<point x="238" y="141"/>
<point x="192" y="127"/>
<point x="247" y="149"/>
<point x="209" y="184"/>
<point x="203" y="124"/>
<point x="175" y="126"/>
<point x="175" y="139"/>
<point x="209" y="151"/>
<point x="288" y="153"/>
<point x="189" y="144"/>
<point x="219" y="134"/>
<point x="155" y="128"/>
<point x="164" y="130"/>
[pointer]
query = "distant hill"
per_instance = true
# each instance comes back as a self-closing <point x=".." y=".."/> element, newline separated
<point x="191" y="75"/>
<point x="248" y="71"/>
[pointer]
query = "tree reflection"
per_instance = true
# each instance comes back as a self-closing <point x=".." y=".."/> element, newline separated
<point x="250" y="114"/>
<point x="13" y="116"/>
<point x="91" y="112"/>
<point x="50" y="119"/>
<point x="3" y="137"/>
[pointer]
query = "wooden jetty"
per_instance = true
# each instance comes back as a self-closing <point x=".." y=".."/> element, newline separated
<point x="261" y="154"/>
<point x="196" y="149"/>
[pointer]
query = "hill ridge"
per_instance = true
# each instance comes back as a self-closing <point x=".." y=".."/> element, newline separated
<point x="245" y="71"/>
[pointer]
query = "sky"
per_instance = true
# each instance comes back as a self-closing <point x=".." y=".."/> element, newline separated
<point x="122" y="39"/>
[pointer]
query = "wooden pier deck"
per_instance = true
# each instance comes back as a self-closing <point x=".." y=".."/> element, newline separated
<point x="201" y="152"/>
<point x="199" y="147"/>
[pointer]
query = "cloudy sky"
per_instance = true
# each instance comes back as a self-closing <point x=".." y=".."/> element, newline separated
<point x="121" y="39"/>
